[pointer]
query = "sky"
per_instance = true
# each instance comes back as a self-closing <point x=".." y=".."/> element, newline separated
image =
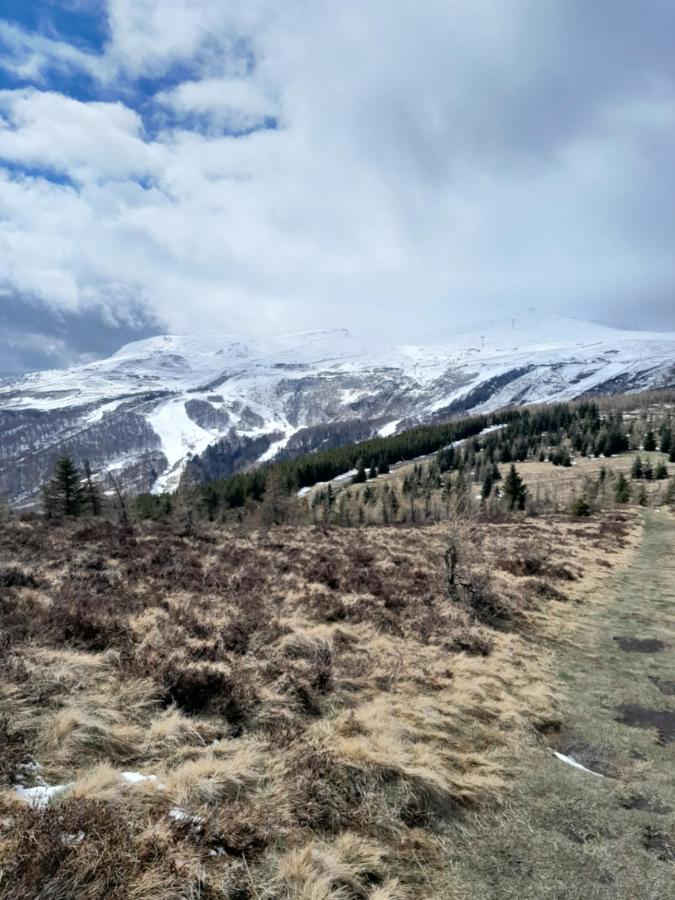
<point x="271" y="166"/>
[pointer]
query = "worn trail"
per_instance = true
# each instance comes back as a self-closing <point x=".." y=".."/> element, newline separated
<point x="565" y="834"/>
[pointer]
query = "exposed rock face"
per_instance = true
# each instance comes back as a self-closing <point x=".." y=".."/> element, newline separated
<point x="159" y="405"/>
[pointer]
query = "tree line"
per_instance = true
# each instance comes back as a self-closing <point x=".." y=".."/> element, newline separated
<point x="550" y="433"/>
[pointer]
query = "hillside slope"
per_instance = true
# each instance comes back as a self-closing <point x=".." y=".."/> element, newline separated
<point x="146" y="410"/>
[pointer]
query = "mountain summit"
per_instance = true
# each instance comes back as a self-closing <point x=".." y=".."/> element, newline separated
<point x="156" y="404"/>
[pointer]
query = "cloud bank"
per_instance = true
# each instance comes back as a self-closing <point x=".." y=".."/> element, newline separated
<point x="202" y="165"/>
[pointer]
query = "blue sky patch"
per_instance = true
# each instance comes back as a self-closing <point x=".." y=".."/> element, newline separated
<point x="82" y="23"/>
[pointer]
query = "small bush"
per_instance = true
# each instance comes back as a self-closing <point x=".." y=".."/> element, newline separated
<point x="523" y="566"/>
<point x="86" y="848"/>
<point x="199" y="688"/>
<point x="485" y="603"/>
<point x="581" y="508"/>
<point x="13" y="577"/>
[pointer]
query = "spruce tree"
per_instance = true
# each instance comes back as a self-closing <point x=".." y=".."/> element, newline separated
<point x="488" y="481"/>
<point x="637" y="471"/>
<point x="661" y="471"/>
<point x="515" y="492"/>
<point x="63" y="495"/>
<point x="665" y="438"/>
<point x="622" y="490"/>
<point x="581" y="508"/>
<point x="649" y="442"/>
<point x="360" y="476"/>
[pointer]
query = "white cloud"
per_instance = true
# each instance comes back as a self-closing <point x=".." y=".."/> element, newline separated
<point x="86" y="141"/>
<point x="434" y="164"/>
<point x="232" y="104"/>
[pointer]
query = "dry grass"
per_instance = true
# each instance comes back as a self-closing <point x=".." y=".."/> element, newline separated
<point x="312" y="704"/>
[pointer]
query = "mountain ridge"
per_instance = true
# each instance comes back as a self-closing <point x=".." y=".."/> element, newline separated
<point x="145" y="411"/>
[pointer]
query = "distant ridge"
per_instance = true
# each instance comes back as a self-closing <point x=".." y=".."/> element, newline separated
<point x="146" y="410"/>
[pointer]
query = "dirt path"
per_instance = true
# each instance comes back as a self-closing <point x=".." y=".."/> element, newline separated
<point x="568" y="834"/>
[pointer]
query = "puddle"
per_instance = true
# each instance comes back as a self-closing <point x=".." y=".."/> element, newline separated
<point x="659" y="843"/>
<point x="640" y="645"/>
<point x="642" y="717"/>
<point x="646" y="804"/>
<point x="666" y="687"/>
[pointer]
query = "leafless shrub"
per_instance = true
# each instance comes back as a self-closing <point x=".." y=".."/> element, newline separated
<point x="13" y="577"/>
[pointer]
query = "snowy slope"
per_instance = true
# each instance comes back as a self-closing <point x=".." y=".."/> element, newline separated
<point x="146" y="410"/>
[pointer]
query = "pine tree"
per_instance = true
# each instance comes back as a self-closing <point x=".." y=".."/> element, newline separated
<point x="514" y="491"/>
<point x="328" y="502"/>
<point x="665" y="438"/>
<point x="63" y="495"/>
<point x="649" y="442"/>
<point x="622" y="489"/>
<point x="360" y="476"/>
<point x="581" y="507"/>
<point x="637" y="470"/>
<point x="488" y="481"/>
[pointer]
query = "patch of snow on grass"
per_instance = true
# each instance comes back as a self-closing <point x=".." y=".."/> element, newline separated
<point x="40" y="796"/>
<point x="570" y="761"/>
<point x="136" y="777"/>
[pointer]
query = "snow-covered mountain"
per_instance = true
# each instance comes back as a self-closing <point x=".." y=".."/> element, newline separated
<point x="144" y="412"/>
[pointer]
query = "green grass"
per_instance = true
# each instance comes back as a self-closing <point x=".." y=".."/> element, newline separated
<point x="565" y="834"/>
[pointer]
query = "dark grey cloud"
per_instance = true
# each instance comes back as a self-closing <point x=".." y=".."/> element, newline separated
<point x="34" y="336"/>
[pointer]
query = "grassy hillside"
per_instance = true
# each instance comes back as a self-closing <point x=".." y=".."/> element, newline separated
<point x="232" y="710"/>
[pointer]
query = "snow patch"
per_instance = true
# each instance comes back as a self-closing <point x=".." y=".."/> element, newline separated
<point x="136" y="777"/>
<point x="389" y="429"/>
<point x="40" y="796"/>
<point x="570" y="761"/>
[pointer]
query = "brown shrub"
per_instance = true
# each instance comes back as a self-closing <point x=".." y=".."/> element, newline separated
<point x="487" y="605"/>
<point x="13" y="749"/>
<point x="87" y="849"/>
<point x="522" y="566"/>
<point x="14" y="577"/>
<point x="200" y="687"/>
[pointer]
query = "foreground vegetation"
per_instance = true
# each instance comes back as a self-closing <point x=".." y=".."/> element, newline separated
<point x="272" y="706"/>
<point x="307" y="708"/>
